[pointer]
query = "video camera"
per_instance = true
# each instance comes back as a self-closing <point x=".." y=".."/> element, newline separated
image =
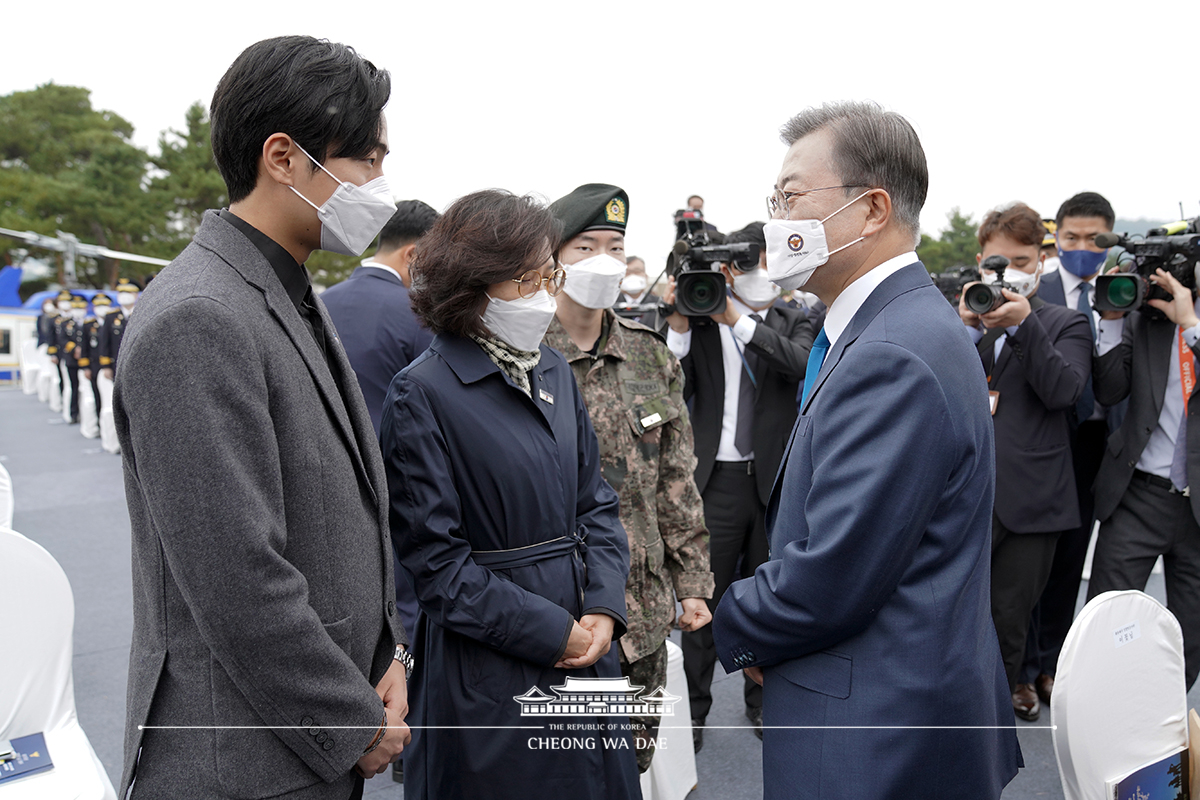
<point x="951" y="282"/>
<point x="699" y="284"/>
<point x="1174" y="248"/>
<point x="981" y="298"/>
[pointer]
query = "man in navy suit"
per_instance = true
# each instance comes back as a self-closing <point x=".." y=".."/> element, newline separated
<point x="1038" y="359"/>
<point x="874" y="608"/>
<point x="372" y="312"/>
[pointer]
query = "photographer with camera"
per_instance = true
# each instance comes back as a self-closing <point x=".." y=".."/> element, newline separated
<point x="742" y="368"/>
<point x="1037" y="357"/>
<point x="1143" y="495"/>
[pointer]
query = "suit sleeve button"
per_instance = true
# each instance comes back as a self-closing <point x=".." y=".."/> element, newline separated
<point x="322" y="736"/>
<point x="306" y="721"/>
<point x="328" y="744"/>
<point x="391" y="607"/>
<point x="313" y="731"/>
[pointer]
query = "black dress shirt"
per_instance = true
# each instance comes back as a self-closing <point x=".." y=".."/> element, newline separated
<point x="293" y="276"/>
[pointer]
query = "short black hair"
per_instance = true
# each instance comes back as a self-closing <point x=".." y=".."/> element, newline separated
<point x="324" y="95"/>
<point x="1086" y="204"/>
<point x="409" y="223"/>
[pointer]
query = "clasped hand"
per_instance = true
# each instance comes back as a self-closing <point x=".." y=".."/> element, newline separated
<point x="590" y="638"/>
<point x="393" y="690"/>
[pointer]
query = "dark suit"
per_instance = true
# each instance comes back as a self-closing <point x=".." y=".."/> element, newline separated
<point x="1040" y="374"/>
<point x="1140" y="518"/>
<point x="735" y="500"/>
<point x="1055" y="610"/>
<point x="382" y="336"/>
<point x="874" y="610"/>
<point x="262" y="561"/>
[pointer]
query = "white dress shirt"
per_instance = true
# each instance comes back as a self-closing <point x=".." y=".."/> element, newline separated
<point x="373" y="264"/>
<point x="853" y="296"/>
<point x="733" y="342"/>
<point x="1160" y="449"/>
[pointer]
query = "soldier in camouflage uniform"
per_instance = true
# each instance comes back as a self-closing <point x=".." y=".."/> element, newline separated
<point x="633" y="388"/>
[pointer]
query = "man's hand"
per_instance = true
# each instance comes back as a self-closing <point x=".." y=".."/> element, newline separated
<point x="695" y="614"/>
<point x="53" y="359"/>
<point x="1182" y="309"/>
<point x="754" y="674"/>
<point x="727" y="317"/>
<point x="1009" y="314"/>
<point x="969" y="317"/>
<point x="601" y="628"/>
<point x="106" y="372"/>
<point x="395" y="737"/>
<point x="87" y="374"/>
<point x="678" y="322"/>
<point x="393" y="689"/>
<point x="578" y="643"/>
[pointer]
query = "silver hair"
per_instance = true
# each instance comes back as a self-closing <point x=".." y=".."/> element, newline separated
<point x="871" y="147"/>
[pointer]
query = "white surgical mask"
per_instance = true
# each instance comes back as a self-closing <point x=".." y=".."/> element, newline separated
<point x="126" y="300"/>
<point x="634" y="285"/>
<point x="595" y="282"/>
<point x="353" y="215"/>
<point x="520" y="323"/>
<point x="1050" y="264"/>
<point x="101" y="311"/>
<point x="78" y="314"/>
<point x="1017" y="280"/>
<point x="755" y="288"/>
<point x="64" y="308"/>
<point x="795" y="248"/>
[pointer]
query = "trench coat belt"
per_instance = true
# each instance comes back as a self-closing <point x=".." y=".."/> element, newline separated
<point x="573" y="544"/>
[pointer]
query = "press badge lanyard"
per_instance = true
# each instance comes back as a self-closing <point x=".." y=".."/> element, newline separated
<point x="1187" y="370"/>
<point x="737" y="346"/>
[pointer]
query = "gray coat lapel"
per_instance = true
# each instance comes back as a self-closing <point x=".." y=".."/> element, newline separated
<point x="228" y="243"/>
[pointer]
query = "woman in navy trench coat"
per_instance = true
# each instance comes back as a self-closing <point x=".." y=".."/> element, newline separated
<point x="505" y="526"/>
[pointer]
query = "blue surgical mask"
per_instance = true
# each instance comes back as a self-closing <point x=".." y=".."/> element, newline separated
<point x="1081" y="263"/>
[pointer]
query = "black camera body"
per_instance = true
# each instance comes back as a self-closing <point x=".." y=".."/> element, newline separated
<point x="951" y="282"/>
<point x="699" y="284"/>
<point x="981" y="298"/>
<point x="1174" y="248"/>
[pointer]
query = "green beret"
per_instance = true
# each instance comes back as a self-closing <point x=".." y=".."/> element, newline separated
<point x="591" y="207"/>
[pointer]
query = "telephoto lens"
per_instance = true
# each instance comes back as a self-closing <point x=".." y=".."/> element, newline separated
<point x="981" y="298"/>
<point x="699" y="293"/>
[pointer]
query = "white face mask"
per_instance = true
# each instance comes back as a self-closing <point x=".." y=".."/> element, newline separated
<point x="755" y="288"/>
<point x="78" y="314"/>
<point x="797" y="247"/>
<point x="1050" y="264"/>
<point x="520" y="323"/>
<point x="634" y="285"/>
<point x="353" y="215"/>
<point x="101" y="311"/>
<point x="126" y="299"/>
<point x="1017" y="280"/>
<point x="64" y="308"/>
<point x="595" y="282"/>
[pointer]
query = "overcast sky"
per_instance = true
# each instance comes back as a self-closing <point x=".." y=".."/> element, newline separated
<point x="1012" y="100"/>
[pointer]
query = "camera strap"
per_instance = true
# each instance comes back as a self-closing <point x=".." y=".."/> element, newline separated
<point x="1187" y="368"/>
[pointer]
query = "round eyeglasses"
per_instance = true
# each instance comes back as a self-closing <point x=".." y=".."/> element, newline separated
<point x="531" y="282"/>
<point x="778" y="199"/>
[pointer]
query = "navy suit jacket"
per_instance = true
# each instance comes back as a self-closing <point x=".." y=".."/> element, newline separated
<point x="875" y="607"/>
<point x="382" y="336"/>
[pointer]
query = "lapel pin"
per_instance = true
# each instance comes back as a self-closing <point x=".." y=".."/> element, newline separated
<point x="549" y="398"/>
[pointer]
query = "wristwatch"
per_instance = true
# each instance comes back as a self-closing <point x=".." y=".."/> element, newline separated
<point x="406" y="659"/>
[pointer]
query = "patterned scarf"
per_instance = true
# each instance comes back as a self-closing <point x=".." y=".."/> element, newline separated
<point x="514" y="363"/>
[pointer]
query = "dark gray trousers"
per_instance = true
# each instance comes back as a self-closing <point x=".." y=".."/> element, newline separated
<point x="1151" y="521"/>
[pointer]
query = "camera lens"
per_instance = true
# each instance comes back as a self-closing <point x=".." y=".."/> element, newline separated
<point x="980" y="298"/>
<point x="1122" y="292"/>
<point x="700" y="293"/>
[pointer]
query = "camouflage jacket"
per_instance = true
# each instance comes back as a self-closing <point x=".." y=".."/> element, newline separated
<point x="633" y="390"/>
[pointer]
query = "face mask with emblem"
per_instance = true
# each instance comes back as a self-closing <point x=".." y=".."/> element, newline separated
<point x="1015" y="280"/>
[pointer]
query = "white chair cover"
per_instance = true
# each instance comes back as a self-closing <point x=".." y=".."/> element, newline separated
<point x="37" y="694"/>
<point x="54" y="397"/>
<point x="31" y="365"/>
<point x="6" y="502"/>
<point x="672" y="773"/>
<point x="1119" y="697"/>
<point x="45" y="374"/>
<point x="108" y="428"/>
<point x="66" y="392"/>
<point x="89" y="421"/>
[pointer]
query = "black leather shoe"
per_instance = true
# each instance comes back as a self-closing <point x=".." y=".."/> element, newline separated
<point x="698" y="734"/>
<point x="398" y="771"/>
<point x="1025" y="702"/>
<point x="755" y="716"/>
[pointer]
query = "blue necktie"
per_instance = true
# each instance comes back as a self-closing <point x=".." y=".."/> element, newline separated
<point x="816" y="358"/>
<point x="1087" y="401"/>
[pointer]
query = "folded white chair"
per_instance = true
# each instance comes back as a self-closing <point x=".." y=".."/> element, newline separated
<point x="66" y="392"/>
<point x="31" y="365"/>
<point x="54" y="396"/>
<point x="1119" y="697"/>
<point x="37" y="694"/>
<point x="108" y="428"/>
<point x="89" y="421"/>
<point x="6" y="502"/>
<point x="672" y="773"/>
